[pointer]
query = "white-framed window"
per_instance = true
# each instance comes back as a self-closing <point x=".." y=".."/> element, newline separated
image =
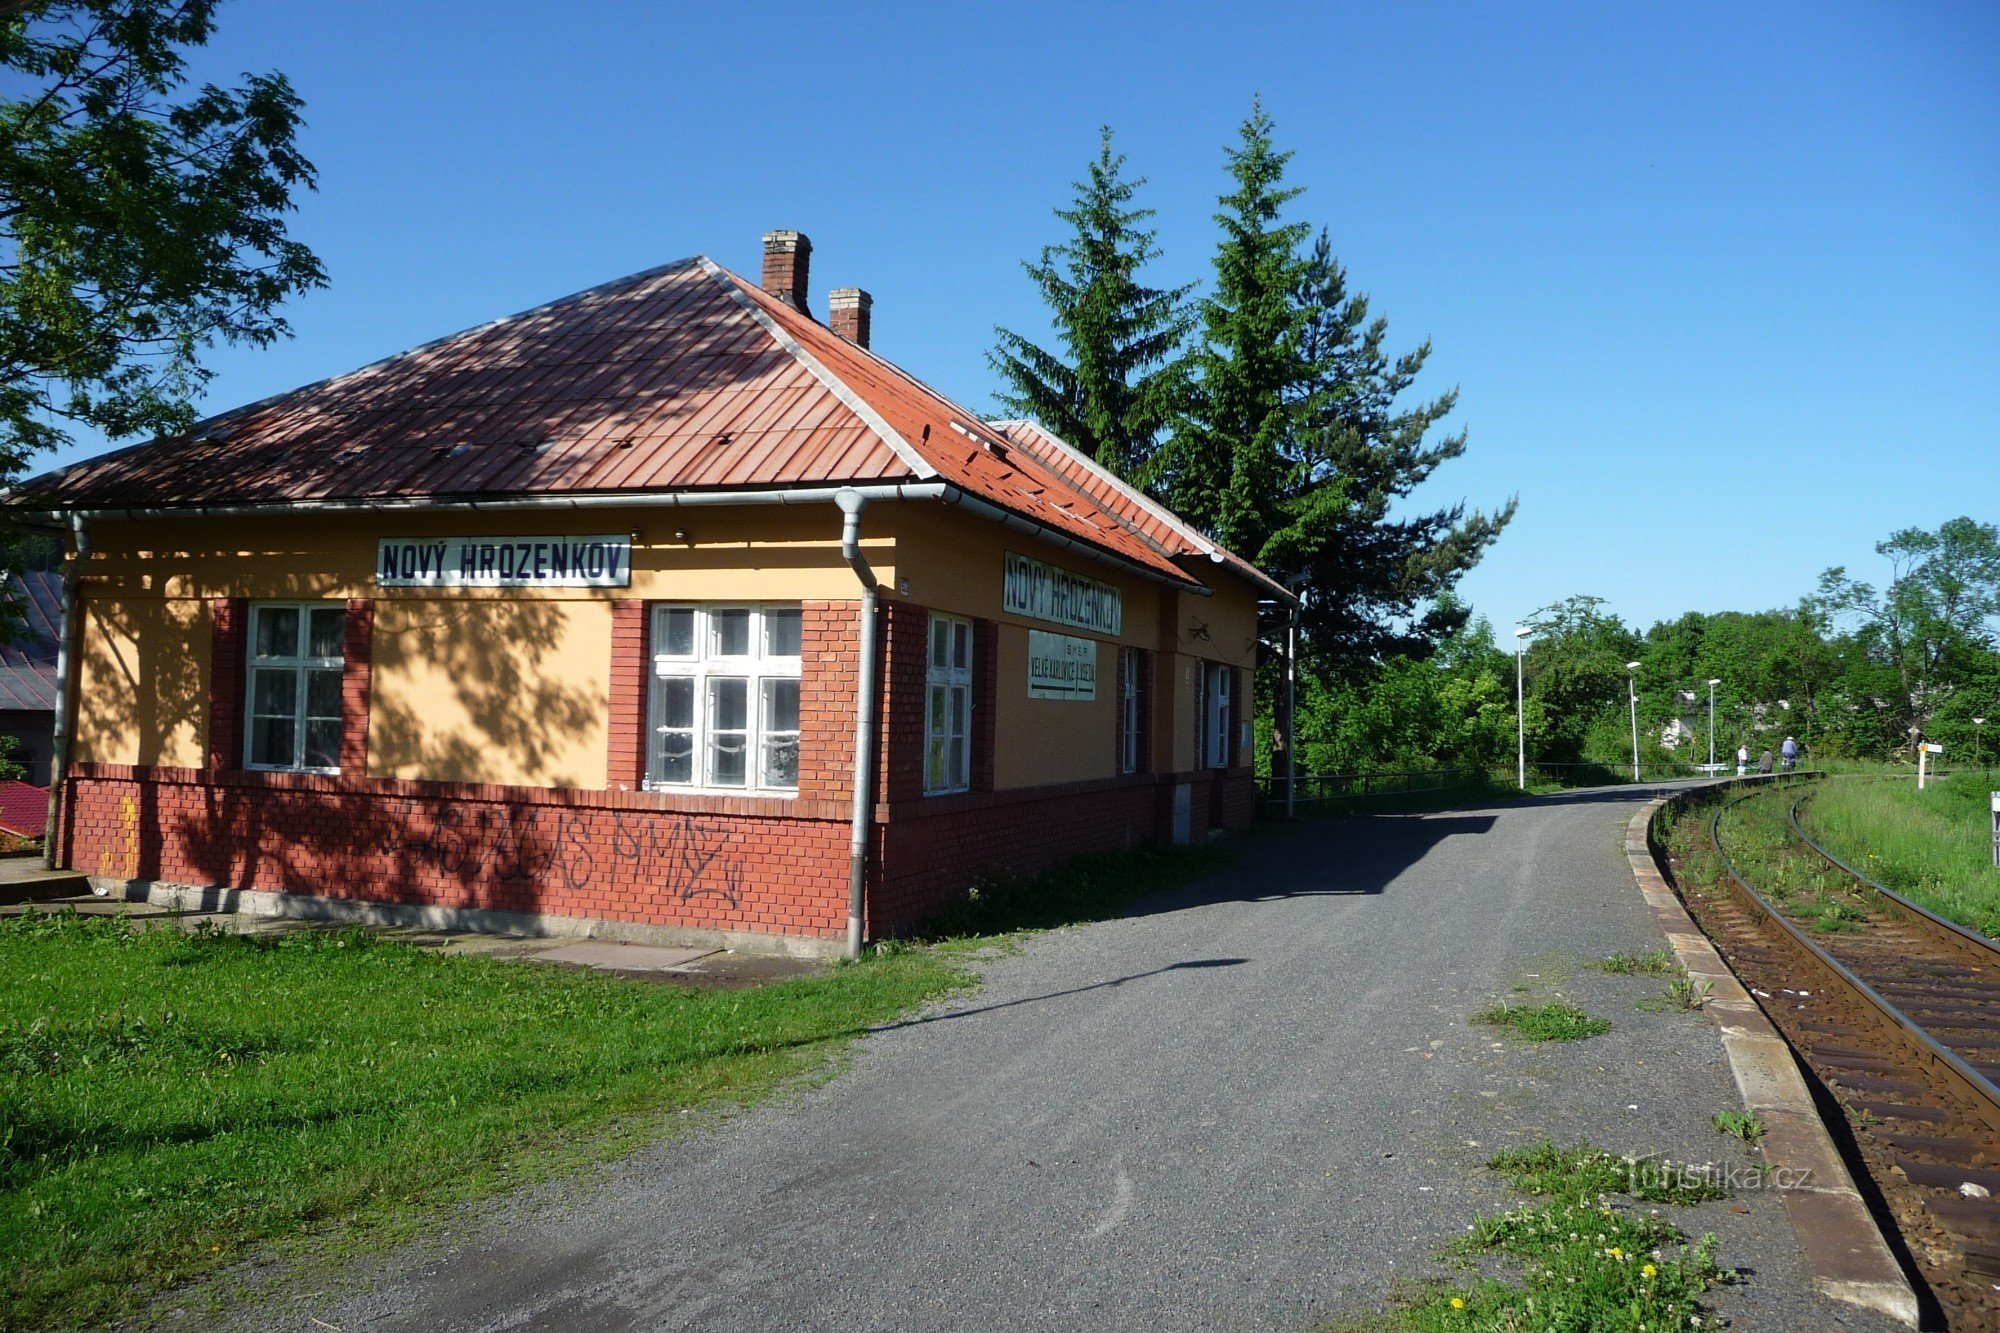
<point x="297" y="656"/>
<point x="1218" y="712"/>
<point x="1131" y="715"/>
<point x="724" y="711"/>
<point x="948" y="706"/>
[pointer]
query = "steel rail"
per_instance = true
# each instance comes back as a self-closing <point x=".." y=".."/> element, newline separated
<point x="1985" y="949"/>
<point x="1981" y="1092"/>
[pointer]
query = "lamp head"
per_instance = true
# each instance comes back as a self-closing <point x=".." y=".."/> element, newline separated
<point x="1716" y="681"/>
<point x="1631" y="666"/>
<point x="1523" y="632"/>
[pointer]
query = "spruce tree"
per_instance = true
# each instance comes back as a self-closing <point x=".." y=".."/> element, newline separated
<point x="1379" y="577"/>
<point x="1297" y="450"/>
<point x="1116" y="383"/>
<point x="1223" y="471"/>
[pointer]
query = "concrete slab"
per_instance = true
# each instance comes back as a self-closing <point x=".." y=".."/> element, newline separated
<point x="22" y="880"/>
<point x="612" y="956"/>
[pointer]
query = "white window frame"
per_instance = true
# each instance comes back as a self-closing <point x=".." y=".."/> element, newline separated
<point x="1130" y="708"/>
<point x="944" y="682"/>
<point x="300" y="666"/>
<point x="1218" y="712"/>
<point x="703" y="668"/>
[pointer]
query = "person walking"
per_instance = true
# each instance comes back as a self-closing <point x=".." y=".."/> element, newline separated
<point x="1764" y="762"/>
<point x="1742" y="760"/>
<point x="1789" y="752"/>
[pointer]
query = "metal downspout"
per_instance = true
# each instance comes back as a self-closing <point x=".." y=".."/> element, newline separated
<point x="65" y="696"/>
<point x="851" y="504"/>
<point x="1291" y="713"/>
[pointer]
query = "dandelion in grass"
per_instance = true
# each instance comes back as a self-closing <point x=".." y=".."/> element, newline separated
<point x="1458" y="1302"/>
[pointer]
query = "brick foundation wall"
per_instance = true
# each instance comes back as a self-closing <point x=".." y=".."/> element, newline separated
<point x="718" y="863"/>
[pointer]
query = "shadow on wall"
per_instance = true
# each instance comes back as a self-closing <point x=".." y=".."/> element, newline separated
<point x="511" y="692"/>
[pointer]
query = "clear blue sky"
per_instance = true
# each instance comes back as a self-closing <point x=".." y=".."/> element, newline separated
<point x="1720" y="284"/>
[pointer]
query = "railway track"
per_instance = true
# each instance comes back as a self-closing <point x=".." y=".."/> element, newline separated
<point x="1897" y="1013"/>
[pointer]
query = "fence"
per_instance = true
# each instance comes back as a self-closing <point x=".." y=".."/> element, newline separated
<point x="1319" y="790"/>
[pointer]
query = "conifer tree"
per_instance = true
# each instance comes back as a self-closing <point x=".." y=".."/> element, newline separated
<point x="1223" y="470"/>
<point x="1296" y="449"/>
<point x="1115" y="384"/>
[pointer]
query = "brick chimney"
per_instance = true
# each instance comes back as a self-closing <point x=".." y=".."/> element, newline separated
<point x="849" y="313"/>
<point x="787" y="261"/>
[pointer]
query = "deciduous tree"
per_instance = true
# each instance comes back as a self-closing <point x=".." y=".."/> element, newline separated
<point x="143" y="221"/>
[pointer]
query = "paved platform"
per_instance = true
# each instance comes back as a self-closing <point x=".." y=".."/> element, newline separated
<point x="1256" y="1103"/>
<point x="22" y="880"/>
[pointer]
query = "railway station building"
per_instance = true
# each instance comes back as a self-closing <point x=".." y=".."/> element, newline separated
<point x="662" y="611"/>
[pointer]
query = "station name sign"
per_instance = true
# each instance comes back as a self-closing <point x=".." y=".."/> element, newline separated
<point x="1043" y="592"/>
<point x="1061" y="667"/>
<point x="504" y="562"/>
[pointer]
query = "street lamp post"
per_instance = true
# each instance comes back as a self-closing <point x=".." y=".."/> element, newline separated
<point x="1520" y="714"/>
<point x="1632" y="682"/>
<point x="1711" y="722"/>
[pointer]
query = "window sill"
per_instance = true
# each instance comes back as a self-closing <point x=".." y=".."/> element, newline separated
<point x="743" y="793"/>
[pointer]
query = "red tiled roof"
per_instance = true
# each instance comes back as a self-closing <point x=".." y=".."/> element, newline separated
<point x="24" y="808"/>
<point x="1146" y="515"/>
<point x="28" y="665"/>
<point x="682" y="378"/>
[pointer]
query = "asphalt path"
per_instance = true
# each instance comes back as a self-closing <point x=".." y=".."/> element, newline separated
<point x="1253" y="1103"/>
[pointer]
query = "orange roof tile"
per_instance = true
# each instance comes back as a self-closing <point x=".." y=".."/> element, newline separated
<point x="682" y="378"/>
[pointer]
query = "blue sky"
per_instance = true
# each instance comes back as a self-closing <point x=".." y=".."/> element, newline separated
<point x="1720" y="285"/>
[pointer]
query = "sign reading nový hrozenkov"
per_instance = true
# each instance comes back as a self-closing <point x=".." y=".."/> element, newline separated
<point x="504" y="562"/>
<point x="1043" y="592"/>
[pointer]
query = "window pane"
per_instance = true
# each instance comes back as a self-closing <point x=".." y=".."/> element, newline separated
<point x="934" y="765"/>
<point x="961" y="704"/>
<point x="677" y="756"/>
<point x="327" y="631"/>
<point x="958" y="774"/>
<point x="277" y="631"/>
<point x="676" y="631"/>
<point x="961" y="647"/>
<point x="725" y="759"/>
<point x="728" y="704"/>
<point x="781" y="634"/>
<point x="323" y="694"/>
<point x="729" y="633"/>
<point x="271" y="741"/>
<point x="781" y="761"/>
<point x="781" y="705"/>
<point x="676" y="703"/>
<point x="940" y="642"/>
<point x="323" y="743"/>
<point x="274" y="691"/>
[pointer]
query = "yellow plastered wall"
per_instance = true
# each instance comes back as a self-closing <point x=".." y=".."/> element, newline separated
<point x="143" y="681"/>
<point x="952" y="560"/>
<point x="514" y="692"/>
<point x="470" y="685"/>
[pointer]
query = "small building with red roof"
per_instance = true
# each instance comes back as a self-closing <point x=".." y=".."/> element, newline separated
<point x="663" y="610"/>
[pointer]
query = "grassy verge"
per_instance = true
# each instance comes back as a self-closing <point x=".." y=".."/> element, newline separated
<point x="1765" y="853"/>
<point x="168" y="1102"/>
<point x="1934" y="846"/>
<point x="1587" y="1259"/>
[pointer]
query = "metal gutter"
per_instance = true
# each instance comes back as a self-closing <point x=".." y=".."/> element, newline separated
<point x="861" y="823"/>
<point x="65" y="696"/>
<point x="797" y="495"/>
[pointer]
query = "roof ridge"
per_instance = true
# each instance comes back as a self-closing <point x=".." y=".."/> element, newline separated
<point x="839" y="388"/>
<point x="195" y="431"/>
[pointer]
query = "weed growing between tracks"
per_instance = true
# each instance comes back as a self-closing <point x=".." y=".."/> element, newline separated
<point x="169" y="1102"/>
<point x="1587" y="1261"/>
<point x="1554" y="1021"/>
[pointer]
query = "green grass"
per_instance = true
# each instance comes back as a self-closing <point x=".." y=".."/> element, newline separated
<point x="1654" y="962"/>
<point x="1554" y="1021"/>
<point x="169" y="1103"/>
<point x="1745" y="1125"/>
<point x="1934" y="847"/>
<point x="1586" y="1261"/>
